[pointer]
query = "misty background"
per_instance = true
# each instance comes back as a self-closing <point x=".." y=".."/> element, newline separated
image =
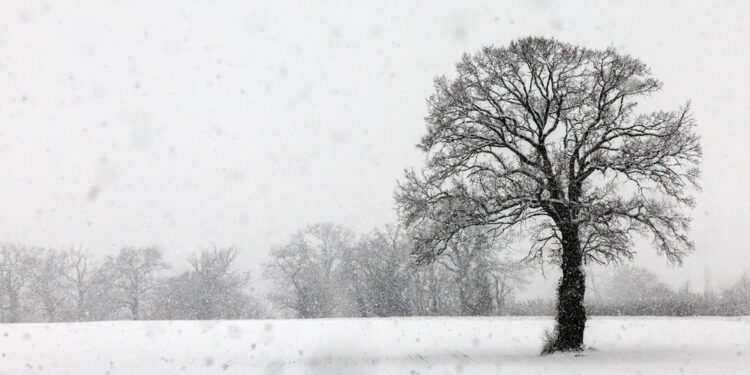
<point x="185" y="125"/>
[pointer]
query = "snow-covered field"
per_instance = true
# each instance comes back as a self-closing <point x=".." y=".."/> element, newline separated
<point x="374" y="346"/>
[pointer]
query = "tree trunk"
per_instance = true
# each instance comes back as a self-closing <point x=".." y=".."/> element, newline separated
<point x="571" y="314"/>
<point x="462" y="303"/>
<point x="13" y="307"/>
<point x="134" y="309"/>
<point x="498" y="302"/>
<point x="80" y="306"/>
<point x="51" y="315"/>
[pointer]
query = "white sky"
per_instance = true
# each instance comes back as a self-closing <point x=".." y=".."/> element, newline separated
<point x="190" y="123"/>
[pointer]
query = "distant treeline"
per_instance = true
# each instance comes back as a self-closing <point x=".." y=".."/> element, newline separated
<point x="325" y="270"/>
<point x="65" y="285"/>
<point x="636" y="291"/>
<point x="375" y="276"/>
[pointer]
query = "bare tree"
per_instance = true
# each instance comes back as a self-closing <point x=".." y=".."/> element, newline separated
<point x="465" y="257"/>
<point x="708" y="292"/>
<point x="430" y="291"/>
<point x="482" y="280"/>
<point x="505" y="283"/>
<point x="104" y="298"/>
<point x="377" y="272"/>
<point x="218" y="286"/>
<point x="304" y="268"/>
<point x="133" y="271"/>
<point x="736" y="298"/>
<point x="296" y="285"/>
<point x="15" y="272"/>
<point x="213" y="289"/>
<point x="47" y="281"/>
<point x="546" y="135"/>
<point x="629" y="285"/>
<point x="78" y="274"/>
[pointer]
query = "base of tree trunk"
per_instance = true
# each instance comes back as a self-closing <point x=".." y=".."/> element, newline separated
<point x="570" y="322"/>
<point x="554" y="343"/>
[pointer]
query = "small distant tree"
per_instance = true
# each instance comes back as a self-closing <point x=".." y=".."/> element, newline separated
<point x="432" y="290"/>
<point x="303" y="270"/>
<point x="16" y="264"/>
<point x="133" y="274"/>
<point x="630" y="285"/>
<point x="47" y="281"/>
<point x="708" y="293"/>
<point x="377" y="273"/>
<point x="545" y="136"/>
<point x="736" y="298"/>
<point x="505" y="284"/>
<point x="77" y="272"/>
<point x="212" y="289"/>
<point x="482" y="280"/>
<point x="219" y="287"/>
<point x="684" y="288"/>
<point x="104" y="298"/>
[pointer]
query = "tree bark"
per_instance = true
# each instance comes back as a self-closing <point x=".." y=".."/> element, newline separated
<point x="571" y="314"/>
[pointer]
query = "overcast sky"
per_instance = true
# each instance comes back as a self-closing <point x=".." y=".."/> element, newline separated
<point x="184" y="124"/>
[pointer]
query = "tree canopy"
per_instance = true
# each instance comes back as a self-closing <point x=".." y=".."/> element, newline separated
<point x="548" y="135"/>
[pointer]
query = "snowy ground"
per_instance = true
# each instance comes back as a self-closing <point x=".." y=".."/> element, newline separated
<point x="374" y="346"/>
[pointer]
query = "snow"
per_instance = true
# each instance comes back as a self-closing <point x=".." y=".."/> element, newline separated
<point x="705" y="345"/>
